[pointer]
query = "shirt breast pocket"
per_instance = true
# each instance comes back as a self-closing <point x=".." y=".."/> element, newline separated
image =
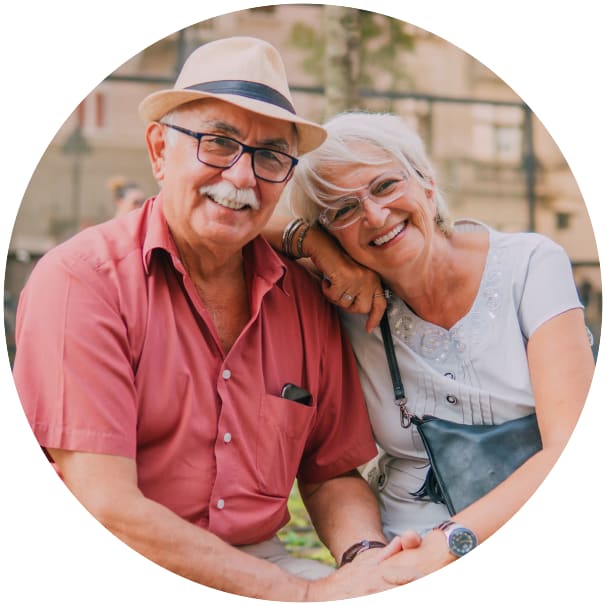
<point x="284" y="427"/>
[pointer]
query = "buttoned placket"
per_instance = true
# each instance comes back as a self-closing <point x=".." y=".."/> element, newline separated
<point x="451" y="398"/>
<point x="227" y="437"/>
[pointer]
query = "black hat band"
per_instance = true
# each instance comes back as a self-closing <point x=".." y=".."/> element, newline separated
<point x="244" y="88"/>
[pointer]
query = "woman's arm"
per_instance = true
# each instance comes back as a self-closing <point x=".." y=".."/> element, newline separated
<point x="561" y="369"/>
<point x="340" y="275"/>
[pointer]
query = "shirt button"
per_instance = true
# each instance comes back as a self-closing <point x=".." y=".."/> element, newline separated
<point x="227" y="438"/>
<point x="450" y="375"/>
<point x="451" y="399"/>
<point x="226" y="374"/>
<point x="220" y="504"/>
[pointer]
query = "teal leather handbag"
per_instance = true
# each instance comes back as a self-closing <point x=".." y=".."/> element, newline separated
<point x="465" y="461"/>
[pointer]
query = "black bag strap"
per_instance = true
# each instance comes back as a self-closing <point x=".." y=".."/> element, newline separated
<point x="406" y="418"/>
<point x="394" y="371"/>
<point x="431" y="488"/>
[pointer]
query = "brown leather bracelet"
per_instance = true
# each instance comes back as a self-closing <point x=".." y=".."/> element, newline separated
<point x="358" y="548"/>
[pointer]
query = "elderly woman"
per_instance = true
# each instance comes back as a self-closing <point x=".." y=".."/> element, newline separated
<point x="487" y="326"/>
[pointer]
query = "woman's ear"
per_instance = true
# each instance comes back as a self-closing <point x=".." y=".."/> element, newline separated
<point x="156" y="148"/>
<point x="429" y="193"/>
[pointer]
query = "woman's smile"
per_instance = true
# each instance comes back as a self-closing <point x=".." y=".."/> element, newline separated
<point x="390" y="235"/>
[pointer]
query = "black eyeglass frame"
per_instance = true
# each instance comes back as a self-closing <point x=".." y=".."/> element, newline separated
<point x="244" y="149"/>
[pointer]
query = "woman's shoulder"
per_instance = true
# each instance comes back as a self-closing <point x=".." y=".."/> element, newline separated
<point x="529" y="249"/>
<point x="520" y="242"/>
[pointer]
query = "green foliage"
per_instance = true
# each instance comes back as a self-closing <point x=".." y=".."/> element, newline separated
<point x="305" y="37"/>
<point x="382" y="39"/>
<point x="299" y="535"/>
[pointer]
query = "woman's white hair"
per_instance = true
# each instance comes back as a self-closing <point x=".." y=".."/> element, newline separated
<point x="361" y="139"/>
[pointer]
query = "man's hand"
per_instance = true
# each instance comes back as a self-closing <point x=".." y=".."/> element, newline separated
<point x="372" y="571"/>
<point x="405" y="559"/>
<point x="344" y="510"/>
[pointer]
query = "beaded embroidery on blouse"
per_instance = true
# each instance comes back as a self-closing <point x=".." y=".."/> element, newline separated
<point x="439" y="345"/>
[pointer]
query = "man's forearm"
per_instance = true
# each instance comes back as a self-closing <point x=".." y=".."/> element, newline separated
<point x="344" y="511"/>
<point x="199" y="555"/>
<point x="107" y="486"/>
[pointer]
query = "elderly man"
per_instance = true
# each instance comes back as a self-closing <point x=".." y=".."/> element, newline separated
<point x="180" y="374"/>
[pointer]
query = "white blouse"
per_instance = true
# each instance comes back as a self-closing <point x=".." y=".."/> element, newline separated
<point x="474" y="373"/>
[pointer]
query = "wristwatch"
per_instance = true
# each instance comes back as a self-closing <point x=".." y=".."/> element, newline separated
<point x="461" y="540"/>
<point x="358" y="548"/>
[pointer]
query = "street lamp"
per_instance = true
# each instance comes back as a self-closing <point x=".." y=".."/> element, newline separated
<point x="76" y="146"/>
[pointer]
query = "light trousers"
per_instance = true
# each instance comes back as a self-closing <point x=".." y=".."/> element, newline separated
<point x="274" y="551"/>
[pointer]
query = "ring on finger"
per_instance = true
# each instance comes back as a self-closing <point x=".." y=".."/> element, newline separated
<point x="382" y="293"/>
<point x="347" y="297"/>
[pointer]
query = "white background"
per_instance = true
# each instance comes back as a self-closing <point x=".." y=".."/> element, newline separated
<point x="54" y="54"/>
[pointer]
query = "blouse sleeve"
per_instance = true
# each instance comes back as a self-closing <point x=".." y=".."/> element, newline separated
<point x="548" y="287"/>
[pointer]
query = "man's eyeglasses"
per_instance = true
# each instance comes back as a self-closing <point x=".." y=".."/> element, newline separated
<point x="220" y="151"/>
<point x="382" y="190"/>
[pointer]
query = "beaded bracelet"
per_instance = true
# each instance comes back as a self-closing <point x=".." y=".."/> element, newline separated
<point x="287" y="236"/>
<point x="302" y="234"/>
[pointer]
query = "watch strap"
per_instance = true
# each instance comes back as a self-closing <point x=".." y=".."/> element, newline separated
<point x="357" y="548"/>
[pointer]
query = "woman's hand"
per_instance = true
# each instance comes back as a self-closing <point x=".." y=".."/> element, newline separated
<point x="345" y="283"/>
<point x="371" y="572"/>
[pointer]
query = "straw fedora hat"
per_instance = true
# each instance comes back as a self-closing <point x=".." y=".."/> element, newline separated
<point x="243" y="71"/>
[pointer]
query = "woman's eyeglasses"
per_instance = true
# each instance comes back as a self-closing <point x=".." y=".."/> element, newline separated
<point x="382" y="190"/>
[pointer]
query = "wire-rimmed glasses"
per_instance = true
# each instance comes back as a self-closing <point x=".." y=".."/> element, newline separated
<point x="382" y="190"/>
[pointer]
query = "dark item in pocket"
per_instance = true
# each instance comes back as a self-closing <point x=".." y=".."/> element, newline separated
<point x="293" y="392"/>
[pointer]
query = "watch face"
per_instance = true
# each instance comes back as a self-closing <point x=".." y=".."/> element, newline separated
<point x="462" y="541"/>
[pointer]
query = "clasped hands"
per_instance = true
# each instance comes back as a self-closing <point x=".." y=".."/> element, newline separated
<point x="405" y="559"/>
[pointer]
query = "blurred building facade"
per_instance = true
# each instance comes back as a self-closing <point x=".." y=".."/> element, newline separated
<point x="495" y="160"/>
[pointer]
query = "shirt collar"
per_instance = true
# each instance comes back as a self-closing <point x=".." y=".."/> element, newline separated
<point x="157" y="234"/>
<point x="263" y="261"/>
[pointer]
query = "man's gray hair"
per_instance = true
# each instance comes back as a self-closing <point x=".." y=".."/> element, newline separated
<point x="192" y="107"/>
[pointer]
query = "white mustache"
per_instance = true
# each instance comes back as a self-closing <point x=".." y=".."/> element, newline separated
<point x="226" y="191"/>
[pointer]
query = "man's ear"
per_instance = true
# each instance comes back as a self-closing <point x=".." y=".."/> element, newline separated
<point x="156" y="148"/>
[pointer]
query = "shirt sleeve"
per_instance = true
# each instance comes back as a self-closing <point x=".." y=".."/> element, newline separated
<point x="72" y="366"/>
<point x="342" y="437"/>
<point x="548" y="288"/>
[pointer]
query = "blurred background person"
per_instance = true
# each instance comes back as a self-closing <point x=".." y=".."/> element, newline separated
<point x="127" y="195"/>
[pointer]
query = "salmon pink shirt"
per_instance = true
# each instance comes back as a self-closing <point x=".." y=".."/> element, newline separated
<point x="117" y="355"/>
